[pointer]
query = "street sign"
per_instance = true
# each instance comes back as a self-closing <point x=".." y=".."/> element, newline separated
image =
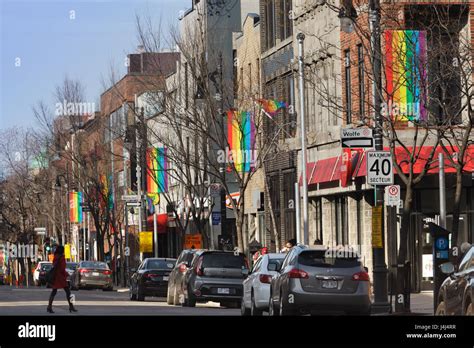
<point x="377" y="238"/>
<point x="357" y="138"/>
<point x="146" y="242"/>
<point x="133" y="204"/>
<point x="40" y="231"/>
<point x="393" y="195"/>
<point x="131" y="198"/>
<point x="216" y="218"/>
<point x="192" y="241"/>
<point x="379" y="168"/>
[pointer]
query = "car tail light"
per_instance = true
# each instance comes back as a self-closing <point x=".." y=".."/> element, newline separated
<point x="83" y="270"/>
<point x="182" y="268"/>
<point x="298" y="273"/>
<point x="361" y="276"/>
<point x="107" y="272"/>
<point x="265" y="278"/>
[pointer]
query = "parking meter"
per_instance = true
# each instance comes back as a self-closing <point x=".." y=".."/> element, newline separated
<point x="441" y="255"/>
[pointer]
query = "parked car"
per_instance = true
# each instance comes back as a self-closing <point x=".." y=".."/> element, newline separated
<point x="40" y="271"/>
<point x="256" y="292"/>
<point x="176" y="276"/>
<point x="456" y="294"/>
<point x="92" y="274"/>
<point x="215" y="276"/>
<point x="151" y="278"/>
<point x="316" y="280"/>
<point x="70" y="268"/>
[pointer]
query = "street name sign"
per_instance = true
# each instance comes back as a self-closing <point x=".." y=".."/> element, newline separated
<point x="379" y="168"/>
<point x="393" y="195"/>
<point x="131" y="198"/>
<point x="357" y="138"/>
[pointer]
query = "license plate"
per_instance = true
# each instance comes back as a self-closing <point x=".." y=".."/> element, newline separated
<point x="95" y="274"/>
<point x="225" y="291"/>
<point x="166" y="278"/>
<point x="329" y="284"/>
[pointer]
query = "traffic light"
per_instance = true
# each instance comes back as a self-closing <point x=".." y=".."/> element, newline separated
<point x="47" y="246"/>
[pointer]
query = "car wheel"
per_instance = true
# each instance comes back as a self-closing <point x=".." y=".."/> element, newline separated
<point x="169" y="298"/>
<point x="470" y="310"/>
<point x="441" y="309"/>
<point x="254" y="311"/>
<point x="271" y="308"/>
<point x="244" y="311"/>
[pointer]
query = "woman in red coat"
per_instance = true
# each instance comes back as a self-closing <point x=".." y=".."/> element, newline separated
<point x="60" y="279"/>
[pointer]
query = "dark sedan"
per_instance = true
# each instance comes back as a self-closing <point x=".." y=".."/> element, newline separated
<point x="151" y="278"/>
<point x="92" y="274"/>
<point x="456" y="294"/>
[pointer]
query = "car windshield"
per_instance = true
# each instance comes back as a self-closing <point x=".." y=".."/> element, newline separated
<point x="46" y="267"/>
<point x="160" y="264"/>
<point x="323" y="258"/>
<point x="223" y="260"/>
<point x="92" y="264"/>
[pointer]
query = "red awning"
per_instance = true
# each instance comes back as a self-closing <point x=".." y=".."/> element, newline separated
<point x="327" y="170"/>
<point x="422" y="155"/>
<point x="161" y="222"/>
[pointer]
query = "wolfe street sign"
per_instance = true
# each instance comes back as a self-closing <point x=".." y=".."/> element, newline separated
<point x="357" y="138"/>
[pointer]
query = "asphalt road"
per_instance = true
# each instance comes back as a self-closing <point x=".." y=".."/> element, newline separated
<point x="33" y="301"/>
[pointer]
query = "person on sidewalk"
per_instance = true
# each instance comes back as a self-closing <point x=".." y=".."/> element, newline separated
<point x="59" y="279"/>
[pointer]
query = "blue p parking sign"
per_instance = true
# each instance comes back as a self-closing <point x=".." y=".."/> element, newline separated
<point x="441" y="243"/>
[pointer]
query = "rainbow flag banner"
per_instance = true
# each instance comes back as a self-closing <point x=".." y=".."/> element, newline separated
<point x="271" y="106"/>
<point x="107" y="193"/>
<point x="156" y="171"/>
<point x="241" y="139"/>
<point x="406" y="77"/>
<point x="75" y="208"/>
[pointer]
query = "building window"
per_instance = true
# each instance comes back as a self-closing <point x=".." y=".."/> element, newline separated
<point x="270" y="22"/>
<point x="286" y="25"/>
<point x="360" y="61"/>
<point x="347" y="76"/>
<point x="318" y="204"/>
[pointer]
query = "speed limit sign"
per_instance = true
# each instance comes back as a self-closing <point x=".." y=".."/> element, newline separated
<point x="379" y="168"/>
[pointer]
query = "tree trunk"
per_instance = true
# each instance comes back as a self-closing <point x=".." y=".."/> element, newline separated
<point x="403" y="248"/>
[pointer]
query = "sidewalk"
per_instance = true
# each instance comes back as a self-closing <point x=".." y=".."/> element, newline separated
<point x="421" y="303"/>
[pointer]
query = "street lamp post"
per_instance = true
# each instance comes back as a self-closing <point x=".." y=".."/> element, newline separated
<point x="380" y="272"/>
<point x="300" y="37"/>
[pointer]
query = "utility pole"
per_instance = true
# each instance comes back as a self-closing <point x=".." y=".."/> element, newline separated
<point x="300" y="37"/>
<point x="380" y="272"/>
<point x="442" y="192"/>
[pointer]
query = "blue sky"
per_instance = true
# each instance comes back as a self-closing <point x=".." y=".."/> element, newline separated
<point x="50" y="46"/>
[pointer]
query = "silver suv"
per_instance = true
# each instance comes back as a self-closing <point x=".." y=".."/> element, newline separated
<point x="215" y="276"/>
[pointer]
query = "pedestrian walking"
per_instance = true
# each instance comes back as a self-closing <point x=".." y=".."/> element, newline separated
<point x="59" y="279"/>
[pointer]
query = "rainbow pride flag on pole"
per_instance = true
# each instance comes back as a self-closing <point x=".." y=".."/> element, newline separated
<point x="271" y="107"/>
<point x="406" y="77"/>
<point x="157" y="166"/>
<point x="75" y="208"/>
<point x="241" y="139"/>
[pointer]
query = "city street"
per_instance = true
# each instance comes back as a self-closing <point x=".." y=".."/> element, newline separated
<point x="33" y="301"/>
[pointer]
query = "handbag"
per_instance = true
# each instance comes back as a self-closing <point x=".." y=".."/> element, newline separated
<point x="49" y="276"/>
